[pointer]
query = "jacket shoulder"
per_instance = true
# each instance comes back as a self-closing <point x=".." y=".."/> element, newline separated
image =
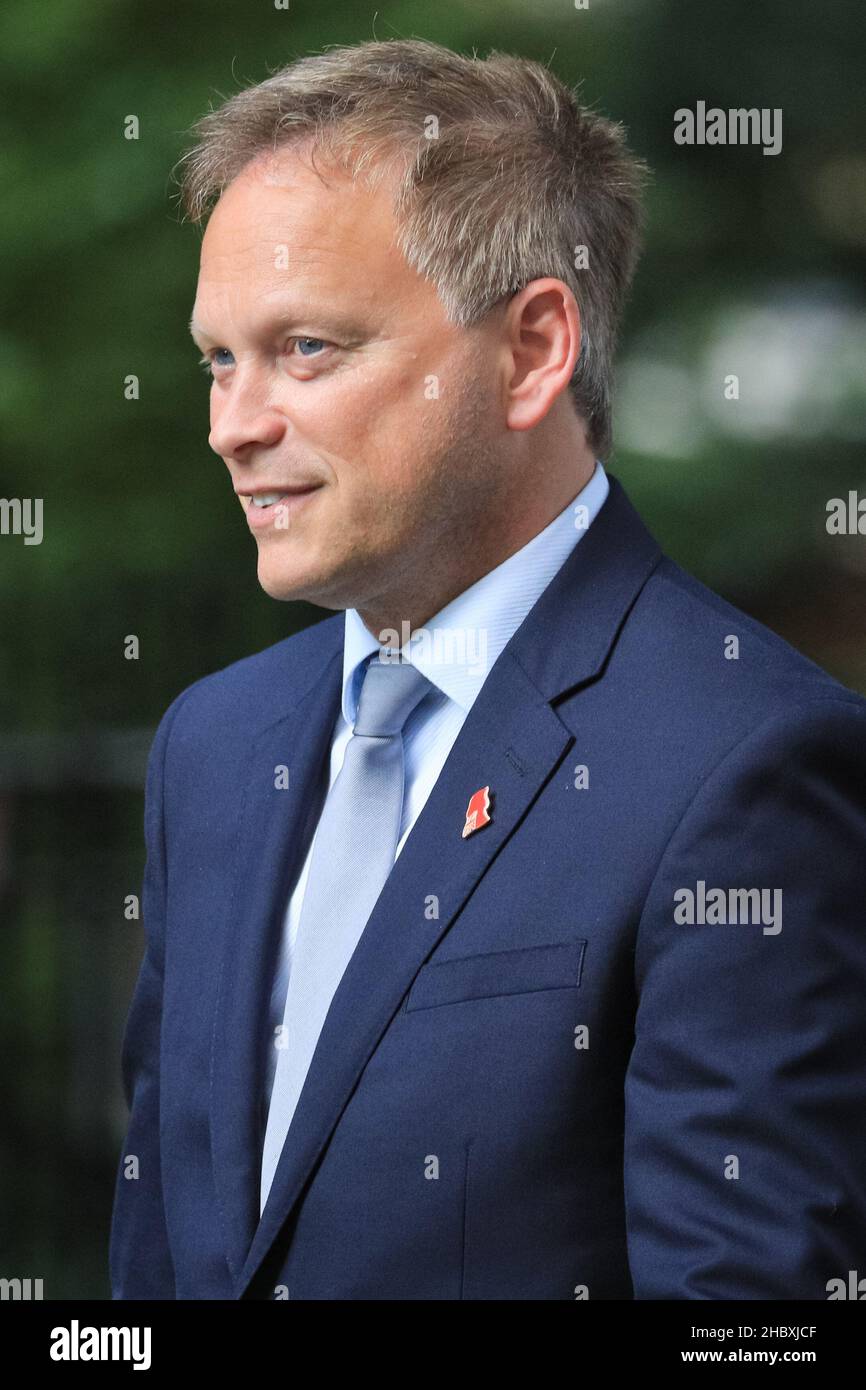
<point x="256" y="690"/>
<point x="714" y="647"/>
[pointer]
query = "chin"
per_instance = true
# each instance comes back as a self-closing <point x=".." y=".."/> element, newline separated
<point x="286" y="584"/>
<point x="282" y="587"/>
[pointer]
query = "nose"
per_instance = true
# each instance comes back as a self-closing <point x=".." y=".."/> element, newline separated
<point x="240" y="422"/>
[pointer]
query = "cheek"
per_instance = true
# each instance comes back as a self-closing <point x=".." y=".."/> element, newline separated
<point x="330" y="414"/>
<point x="343" y="429"/>
<point x="375" y="429"/>
<point x="386" y="394"/>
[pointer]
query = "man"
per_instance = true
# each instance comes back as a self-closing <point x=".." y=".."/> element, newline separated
<point x="504" y="931"/>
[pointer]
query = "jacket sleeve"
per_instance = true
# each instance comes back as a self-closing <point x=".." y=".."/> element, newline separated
<point x="140" y="1261"/>
<point x="745" y="1095"/>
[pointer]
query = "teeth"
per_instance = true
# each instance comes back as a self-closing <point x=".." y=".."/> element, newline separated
<point x="266" y="499"/>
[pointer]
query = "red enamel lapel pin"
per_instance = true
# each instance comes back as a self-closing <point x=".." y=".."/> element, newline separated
<point x="477" y="811"/>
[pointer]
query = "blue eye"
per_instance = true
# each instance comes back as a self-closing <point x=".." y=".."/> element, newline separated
<point x="222" y="357"/>
<point x="213" y="360"/>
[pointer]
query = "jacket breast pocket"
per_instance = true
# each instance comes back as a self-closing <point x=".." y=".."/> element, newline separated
<point x="521" y="971"/>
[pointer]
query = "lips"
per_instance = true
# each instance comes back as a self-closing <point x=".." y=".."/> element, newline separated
<point x="277" y="489"/>
<point x="273" y="506"/>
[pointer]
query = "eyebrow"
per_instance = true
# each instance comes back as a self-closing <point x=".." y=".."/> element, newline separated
<point x="281" y="322"/>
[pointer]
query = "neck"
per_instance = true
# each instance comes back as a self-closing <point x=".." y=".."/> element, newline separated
<point x="428" y="589"/>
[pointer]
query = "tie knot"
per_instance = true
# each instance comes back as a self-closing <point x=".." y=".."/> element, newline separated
<point x="389" y="693"/>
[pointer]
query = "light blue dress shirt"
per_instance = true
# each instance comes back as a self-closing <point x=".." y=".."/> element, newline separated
<point x="455" y="650"/>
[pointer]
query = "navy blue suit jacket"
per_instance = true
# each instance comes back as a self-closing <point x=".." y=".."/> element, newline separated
<point x="534" y="1081"/>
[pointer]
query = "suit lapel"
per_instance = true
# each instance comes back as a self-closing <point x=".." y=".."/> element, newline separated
<point x="563" y="642"/>
<point x="275" y="823"/>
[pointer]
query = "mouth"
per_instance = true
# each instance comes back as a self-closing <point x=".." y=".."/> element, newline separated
<point x="274" y="507"/>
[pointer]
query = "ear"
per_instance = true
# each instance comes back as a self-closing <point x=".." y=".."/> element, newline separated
<point x="541" y="340"/>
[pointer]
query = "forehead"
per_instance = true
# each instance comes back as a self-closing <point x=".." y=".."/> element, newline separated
<point x="283" y="226"/>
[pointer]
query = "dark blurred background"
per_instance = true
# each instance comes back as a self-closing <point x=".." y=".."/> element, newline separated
<point x="753" y="266"/>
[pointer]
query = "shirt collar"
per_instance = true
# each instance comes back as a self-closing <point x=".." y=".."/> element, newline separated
<point x="456" y="648"/>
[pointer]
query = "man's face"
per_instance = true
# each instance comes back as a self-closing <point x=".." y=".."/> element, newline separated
<point x="336" y="371"/>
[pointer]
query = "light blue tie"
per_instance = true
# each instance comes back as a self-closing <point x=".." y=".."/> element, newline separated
<point x="353" y="853"/>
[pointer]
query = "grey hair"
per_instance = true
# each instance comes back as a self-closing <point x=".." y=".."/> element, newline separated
<point x="517" y="177"/>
